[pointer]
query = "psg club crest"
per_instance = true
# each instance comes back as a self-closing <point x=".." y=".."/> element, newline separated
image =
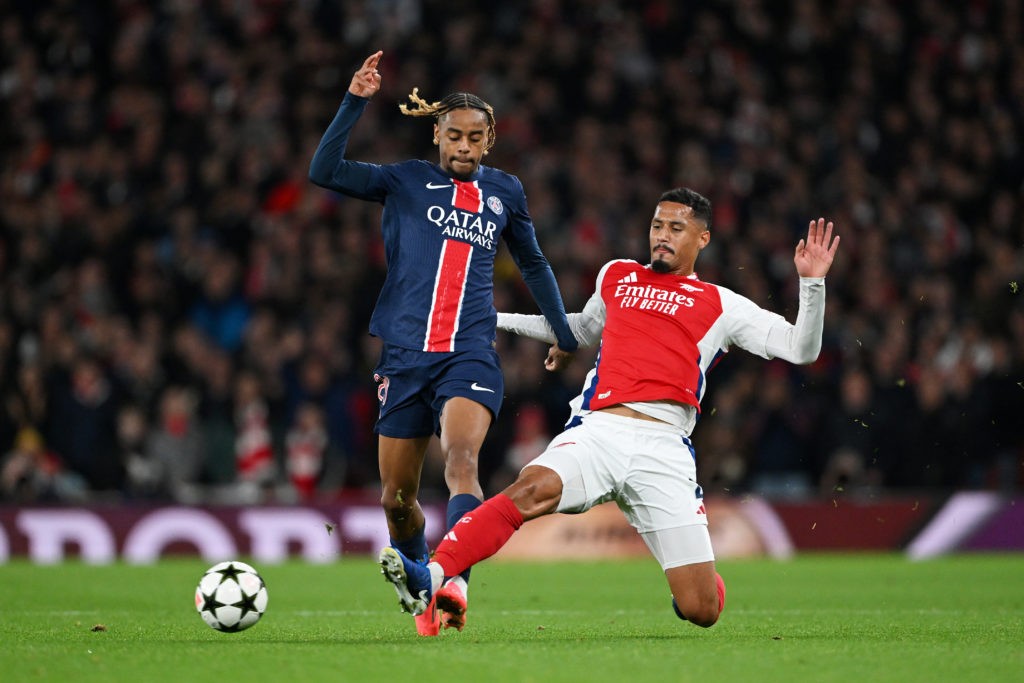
<point x="495" y="205"/>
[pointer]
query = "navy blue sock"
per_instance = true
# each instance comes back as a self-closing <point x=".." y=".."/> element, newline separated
<point x="414" y="548"/>
<point x="458" y="505"/>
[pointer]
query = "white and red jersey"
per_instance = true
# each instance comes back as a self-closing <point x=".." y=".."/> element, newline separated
<point x="661" y="334"/>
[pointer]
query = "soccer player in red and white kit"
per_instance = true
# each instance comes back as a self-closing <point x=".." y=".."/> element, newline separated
<point x="438" y="371"/>
<point x="661" y="330"/>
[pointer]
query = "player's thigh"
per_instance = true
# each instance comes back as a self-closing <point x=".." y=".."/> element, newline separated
<point x="464" y="425"/>
<point x="661" y="489"/>
<point x="680" y="546"/>
<point x="590" y="461"/>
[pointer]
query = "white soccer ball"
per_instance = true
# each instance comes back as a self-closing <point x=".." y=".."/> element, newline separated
<point x="231" y="596"/>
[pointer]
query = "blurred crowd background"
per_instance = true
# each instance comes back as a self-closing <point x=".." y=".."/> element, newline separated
<point x="183" y="316"/>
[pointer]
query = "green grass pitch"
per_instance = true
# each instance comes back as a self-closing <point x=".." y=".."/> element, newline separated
<point x="814" y="618"/>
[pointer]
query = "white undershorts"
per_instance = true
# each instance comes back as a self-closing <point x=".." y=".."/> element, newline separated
<point x="649" y="470"/>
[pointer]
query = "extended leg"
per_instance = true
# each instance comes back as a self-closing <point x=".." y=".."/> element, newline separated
<point x="401" y="464"/>
<point x="483" y="532"/>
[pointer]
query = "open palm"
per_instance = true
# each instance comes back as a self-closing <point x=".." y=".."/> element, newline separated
<point x="814" y="255"/>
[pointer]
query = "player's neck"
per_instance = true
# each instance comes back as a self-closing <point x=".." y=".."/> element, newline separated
<point x="676" y="272"/>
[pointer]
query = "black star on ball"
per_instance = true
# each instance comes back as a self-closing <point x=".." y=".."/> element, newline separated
<point x="230" y="572"/>
<point x="210" y="603"/>
<point x="246" y="604"/>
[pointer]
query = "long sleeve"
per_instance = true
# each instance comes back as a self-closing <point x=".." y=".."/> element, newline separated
<point x="330" y="169"/>
<point x="801" y="341"/>
<point x="542" y="285"/>
<point x="586" y="326"/>
<point x="521" y="239"/>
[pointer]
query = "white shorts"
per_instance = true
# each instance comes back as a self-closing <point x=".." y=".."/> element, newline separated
<point x="648" y="468"/>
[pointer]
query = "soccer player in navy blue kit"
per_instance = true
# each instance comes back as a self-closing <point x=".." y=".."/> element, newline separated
<point x="438" y="371"/>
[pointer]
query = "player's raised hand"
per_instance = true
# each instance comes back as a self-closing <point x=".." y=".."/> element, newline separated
<point x="366" y="81"/>
<point x="557" y="358"/>
<point x="814" y="255"/>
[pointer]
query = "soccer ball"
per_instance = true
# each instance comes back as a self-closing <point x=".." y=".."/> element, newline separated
<point x="231" y="596"/>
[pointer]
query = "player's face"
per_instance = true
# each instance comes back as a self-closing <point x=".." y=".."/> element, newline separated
<point x="676" y="238"/>
<point x="462" y="138"/>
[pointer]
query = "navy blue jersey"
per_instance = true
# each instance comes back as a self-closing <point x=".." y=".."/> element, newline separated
<point x="440" y="238"/>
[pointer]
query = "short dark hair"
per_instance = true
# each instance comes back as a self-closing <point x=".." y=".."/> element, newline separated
<point x="700" y="204"/>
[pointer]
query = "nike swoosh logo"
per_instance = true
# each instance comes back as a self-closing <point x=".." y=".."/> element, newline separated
<point x="432" y="186"/>
<point x="605" y="394"/>
<point x="476" y="387"/>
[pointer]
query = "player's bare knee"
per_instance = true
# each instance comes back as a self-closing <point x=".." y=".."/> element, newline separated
<point x="460" y="463"/>
<point x="534" y="496"/>
<point x="461" y="474"/>
<point x="700" y="612"/>
<point x="398" y="506"/>
<point x="704" y="619"/>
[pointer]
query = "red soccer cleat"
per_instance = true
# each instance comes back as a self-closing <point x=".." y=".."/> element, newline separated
<point x="451" y="603"/>
<point x="429" y="623"/>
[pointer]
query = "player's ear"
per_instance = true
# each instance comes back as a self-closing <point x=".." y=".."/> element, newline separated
<point x="437" y="134"/>
<point x="705" y="237"/>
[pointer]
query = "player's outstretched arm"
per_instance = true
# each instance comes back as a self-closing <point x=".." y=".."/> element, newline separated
<point x="801" y="341"/>
<point x="329" y="168"/>
<point x="366" y="81"/>
<point x="814" y="255"/>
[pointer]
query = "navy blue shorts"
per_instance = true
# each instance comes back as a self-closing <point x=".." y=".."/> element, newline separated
<point x="412" y="387"/>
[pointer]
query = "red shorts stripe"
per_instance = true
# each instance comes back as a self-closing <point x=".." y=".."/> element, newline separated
<point x="449" y="288"/>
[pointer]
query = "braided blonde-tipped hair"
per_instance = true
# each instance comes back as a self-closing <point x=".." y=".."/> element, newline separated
<point x="456" y="100"/>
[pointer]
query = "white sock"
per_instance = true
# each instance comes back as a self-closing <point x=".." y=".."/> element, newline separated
<point x="436" y="577"/>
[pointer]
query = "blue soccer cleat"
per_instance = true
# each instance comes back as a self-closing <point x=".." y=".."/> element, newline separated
<point x="412" y="580"/>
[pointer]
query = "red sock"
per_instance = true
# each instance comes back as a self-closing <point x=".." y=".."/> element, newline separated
<point x="720" y="584"/>
<point x="478" y="535"/>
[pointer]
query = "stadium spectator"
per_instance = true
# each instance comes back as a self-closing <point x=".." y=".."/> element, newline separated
<point x="849" y="441"/>
<point x="174" y="447"/>
<point x="780" y="434"/>
<point x="30" y="472"/>
<point x="255" y="459"/>
<point x="83" y="428"/>
<point x="144" y="475"/>
<point x="306" y="447"/>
